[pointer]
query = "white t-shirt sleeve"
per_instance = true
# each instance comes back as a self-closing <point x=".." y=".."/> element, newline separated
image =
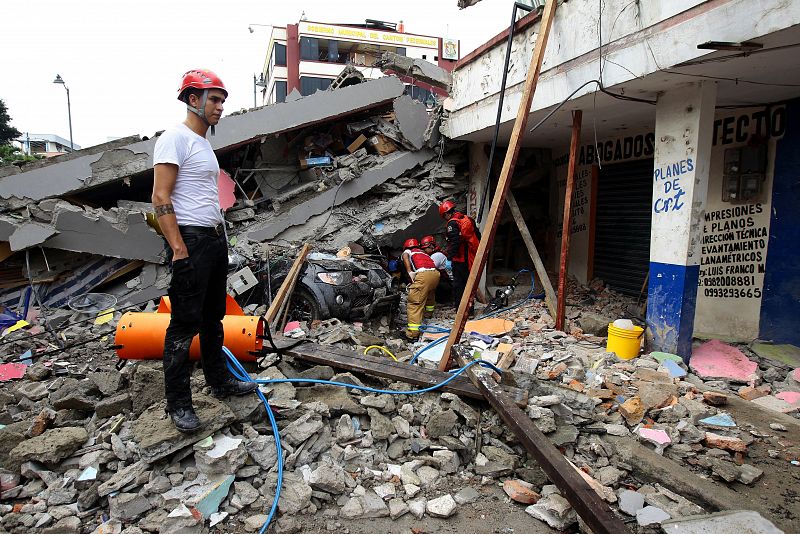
<point x="171" y="147"/>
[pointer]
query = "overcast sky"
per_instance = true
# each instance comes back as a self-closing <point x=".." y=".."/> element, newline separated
<point x="122" y="59"/>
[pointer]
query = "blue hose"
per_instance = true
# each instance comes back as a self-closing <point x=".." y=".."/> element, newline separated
<point x="436" y="329"/>
<point x="239" y="372"/>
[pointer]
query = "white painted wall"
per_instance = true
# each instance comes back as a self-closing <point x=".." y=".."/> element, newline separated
<point x="684" y="124"/>
<point x="645" y="37"/>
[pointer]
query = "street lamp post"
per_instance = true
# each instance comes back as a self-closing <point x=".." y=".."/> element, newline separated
<point x="59" y="80"/>
<point x="258" y="82"/>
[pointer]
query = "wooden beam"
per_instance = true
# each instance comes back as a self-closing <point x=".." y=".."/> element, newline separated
<point x="385" y="368"/>
<point x="586" y="502"/>
<point x="549" y="292"/>
<point x="287" y="286"/>
<point x="510" y="162"/>
<point x="577" y="115"/>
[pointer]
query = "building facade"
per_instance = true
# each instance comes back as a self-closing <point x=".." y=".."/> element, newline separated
<point x="686" y="190"/>
<point x="308" y="56"/>
<point x="47" y="145"/>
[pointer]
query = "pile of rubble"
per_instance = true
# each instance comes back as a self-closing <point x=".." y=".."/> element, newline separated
<point x="87" y="447"/>
<point x="362" y="165"/>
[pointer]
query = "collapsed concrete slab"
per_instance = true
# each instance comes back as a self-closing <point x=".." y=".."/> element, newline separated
<point x="73" y="175"/>
<point x="30" y="234"/>
<point x="116" y="233"/>
<point x="412" y="118"/>
<point x="392" y="167"/>
<point x="92" y="170"/>
<point x="419" y="69"/>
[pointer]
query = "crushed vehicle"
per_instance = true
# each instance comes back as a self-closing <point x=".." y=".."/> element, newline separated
<point x="350" y="288"/>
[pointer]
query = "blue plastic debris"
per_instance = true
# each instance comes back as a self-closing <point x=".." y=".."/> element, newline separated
<point x="675" y="370"/>
<point x="721" y="420"/>
<point x="209" y="502"/>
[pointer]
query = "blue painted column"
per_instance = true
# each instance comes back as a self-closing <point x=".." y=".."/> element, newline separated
<point x="684" y="127"/>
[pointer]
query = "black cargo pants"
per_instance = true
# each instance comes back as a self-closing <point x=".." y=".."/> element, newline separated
<point x="197" y="294"/>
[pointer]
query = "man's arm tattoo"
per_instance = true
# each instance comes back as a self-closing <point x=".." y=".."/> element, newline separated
<point x="164" y="209"/>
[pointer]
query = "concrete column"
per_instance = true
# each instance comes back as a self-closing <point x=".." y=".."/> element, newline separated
<point x="292" y="57"/>
<point x="684" y="126"/>
<point x="478" y="173"/>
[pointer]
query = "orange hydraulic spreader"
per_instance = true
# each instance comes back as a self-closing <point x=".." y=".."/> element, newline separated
<point x="140" y="336"/>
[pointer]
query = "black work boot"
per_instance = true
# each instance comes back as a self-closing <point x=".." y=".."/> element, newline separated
<point x="184" y="419"/>
<point x="233" y="387"/>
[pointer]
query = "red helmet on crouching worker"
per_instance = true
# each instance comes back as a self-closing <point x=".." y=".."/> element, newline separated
<point x="428" y="240"/>
<point x="411" y="243"/>
<point x="446" y="206"/>
<point x="202" y="80"/>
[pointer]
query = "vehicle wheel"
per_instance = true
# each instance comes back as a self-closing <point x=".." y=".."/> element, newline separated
<point x="304" y="306"/>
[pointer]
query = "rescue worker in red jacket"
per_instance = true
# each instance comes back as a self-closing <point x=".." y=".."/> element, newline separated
<point x="422" y="291"/>
<point x="463" y="238"/>
<point x="444" y="291"/>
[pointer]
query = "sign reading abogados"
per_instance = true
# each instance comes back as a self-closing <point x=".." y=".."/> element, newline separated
<point x="363" y="34"/>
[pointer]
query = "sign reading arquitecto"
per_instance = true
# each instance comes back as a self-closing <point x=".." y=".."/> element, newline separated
<point x="369" y="36"/>
<point x="735" y="235"/>
<point x="733" y="248"/>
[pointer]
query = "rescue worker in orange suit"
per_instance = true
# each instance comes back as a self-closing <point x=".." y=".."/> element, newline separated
<point x="463" y="238"/>
<point x="422" y="291"/>
<point x="444" y="291"/>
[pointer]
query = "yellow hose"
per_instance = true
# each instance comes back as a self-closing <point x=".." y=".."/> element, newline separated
<point x="384" y="349"/>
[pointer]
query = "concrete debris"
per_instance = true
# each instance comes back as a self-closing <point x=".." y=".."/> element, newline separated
<point x="418" y="69"/>
<point x="86" y="447"/>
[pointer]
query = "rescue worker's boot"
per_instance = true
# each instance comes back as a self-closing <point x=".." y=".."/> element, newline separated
<point x="233" y="388"/>
<point x="184" y="419"/>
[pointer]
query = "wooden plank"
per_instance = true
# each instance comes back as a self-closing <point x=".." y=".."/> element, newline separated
<point x="567" y="224"/>
<point x="386" y="368"/>
<point x="510" y="162"/>
<point x="549" y="292"/>
<point x="507" y="357"/>
<point x="287" y="286"/>
<point x="586" y="502"/>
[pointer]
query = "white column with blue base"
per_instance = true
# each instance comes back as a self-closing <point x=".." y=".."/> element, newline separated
<point x="684" y="127"/>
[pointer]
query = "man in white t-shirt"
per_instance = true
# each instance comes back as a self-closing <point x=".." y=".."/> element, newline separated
<point x="186" y="201"/>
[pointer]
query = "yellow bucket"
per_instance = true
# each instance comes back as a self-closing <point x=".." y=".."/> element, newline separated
<point x="624" y="343"/>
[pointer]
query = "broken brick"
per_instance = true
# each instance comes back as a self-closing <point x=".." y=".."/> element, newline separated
<point x="632" y="410"/>
<point x="728" y="443"/>
<point x="715" y="398"/>
<point x="750" y="393"/>
<point x="520" y="491"/>
<point x="556" y="371"/>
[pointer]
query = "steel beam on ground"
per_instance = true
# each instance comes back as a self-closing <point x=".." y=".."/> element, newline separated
<point x="385" y="368"/>
<point x="586" y="502"/>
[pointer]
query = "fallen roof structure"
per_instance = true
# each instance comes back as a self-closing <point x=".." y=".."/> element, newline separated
<point x="87" y="171"/>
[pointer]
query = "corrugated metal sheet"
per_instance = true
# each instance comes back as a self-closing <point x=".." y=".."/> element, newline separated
<point x="622" y="238"/>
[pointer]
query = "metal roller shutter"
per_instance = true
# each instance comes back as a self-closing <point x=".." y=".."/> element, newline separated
<point x="622" y="234"/>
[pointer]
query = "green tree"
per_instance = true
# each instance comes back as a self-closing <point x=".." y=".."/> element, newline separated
<point x="7" y="132"/>
<point x="10" y="154"/>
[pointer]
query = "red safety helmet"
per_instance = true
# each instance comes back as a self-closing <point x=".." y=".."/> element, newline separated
<point x="411" y="243"/>
<point x="200" y="79"/>
<point x="446" y="206"/>
<point x="428" y="240"/>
